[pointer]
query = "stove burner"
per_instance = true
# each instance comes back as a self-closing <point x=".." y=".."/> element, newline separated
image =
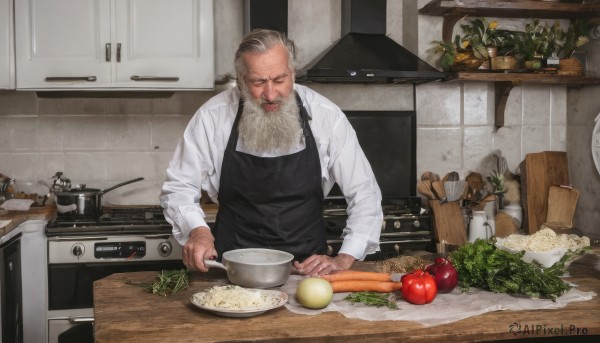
<point x="114" y="220"/>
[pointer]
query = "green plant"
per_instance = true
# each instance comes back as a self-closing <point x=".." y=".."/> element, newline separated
<point x="496" y="179"/>
<point x="447" y="52"/>
<point x="575" y="37"/>
<point x="480" y="34"/>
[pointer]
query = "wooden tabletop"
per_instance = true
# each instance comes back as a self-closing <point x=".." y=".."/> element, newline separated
<point x="126" y="312"/>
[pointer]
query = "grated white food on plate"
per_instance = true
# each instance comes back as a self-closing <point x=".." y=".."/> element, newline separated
<point x="544" y="240"/>
<point x="236" y="298"/>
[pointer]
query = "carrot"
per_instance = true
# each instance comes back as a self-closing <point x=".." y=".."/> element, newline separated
<point x="365" y="286"/>
<point x="344" y="275"/>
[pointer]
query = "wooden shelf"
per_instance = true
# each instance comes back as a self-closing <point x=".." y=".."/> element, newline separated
<point x="518" y="78"/>
<point x="452" y="11"/>
<point x="504" y="82"/>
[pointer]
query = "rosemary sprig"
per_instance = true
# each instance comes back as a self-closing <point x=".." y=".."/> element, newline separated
<point x="170" y="282"/>
<point x="373" y="299"/>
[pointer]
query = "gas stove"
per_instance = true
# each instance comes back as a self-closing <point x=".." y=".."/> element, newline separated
<point x="113" y="221"/>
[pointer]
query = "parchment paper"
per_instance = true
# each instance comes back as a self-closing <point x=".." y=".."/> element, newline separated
<point x="446" y="308"/>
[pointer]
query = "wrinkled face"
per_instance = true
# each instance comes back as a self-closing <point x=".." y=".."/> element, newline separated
<point x="269" y="78"/>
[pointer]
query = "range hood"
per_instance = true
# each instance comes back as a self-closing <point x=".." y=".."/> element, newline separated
<point x="365" y="54"/>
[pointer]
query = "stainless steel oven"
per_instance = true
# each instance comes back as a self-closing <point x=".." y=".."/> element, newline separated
<point x="83" y="251"/>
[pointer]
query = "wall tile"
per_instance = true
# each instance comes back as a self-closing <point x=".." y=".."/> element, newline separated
<point x="508" y="140"/>
<point x="70" y="106"/>
<point x="85" y="167"/>
<point x="84" y="133"/>
<point x="23" y="133"/>
<point x="50" y="163"/>
<point x="439" y="104"/>
<point x="368" y="97"/>
<point x="558" y="138"/>
<point x="13" y="102"/>
<point x="5" y="165"/>
<point x="24" y="167"/>
<point x="128" y="133"/>
<point x="51" y="133"/>
<point x="478" y="101"/>
<point x="536" y="105"/>
<point x="535" y="139"/>
<point x="324" y="28"/>
<point x="439" y="150"/>
<point x="141" y="193"/>
<point x="4" y="134"/>
<point x="119" y="166"/>
<point x="558" y="105"/>
<point x="583" y="105"/>
<point x="477" y="146"/>
<point x="513" y="112"/>
<point x="167" y="130"/>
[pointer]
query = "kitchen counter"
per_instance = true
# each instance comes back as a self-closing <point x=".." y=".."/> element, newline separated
<point x="126" y="312"/>
<point x="18" y="217"/>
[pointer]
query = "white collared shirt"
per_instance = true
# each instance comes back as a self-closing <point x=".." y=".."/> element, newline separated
<point x="198" y="157"/>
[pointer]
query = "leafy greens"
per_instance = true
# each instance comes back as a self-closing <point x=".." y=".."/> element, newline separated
<point x="482" y="265"/>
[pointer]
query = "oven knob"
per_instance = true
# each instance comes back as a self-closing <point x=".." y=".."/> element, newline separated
<point x="383" y="226"/>
<point x="164" y="249"/>
<point x="329" y="250"/>
<point x="397" y="224"/>
<point x="417" y="223"/>
<point x="77" y="250"/>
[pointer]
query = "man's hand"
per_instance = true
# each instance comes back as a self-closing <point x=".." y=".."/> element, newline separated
<point x="199" y="247"/>
<point x="317" y="265"/>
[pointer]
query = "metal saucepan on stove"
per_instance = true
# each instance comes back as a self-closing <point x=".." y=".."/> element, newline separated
<point x="255" y="268"/>
<point x="83" y="201"/>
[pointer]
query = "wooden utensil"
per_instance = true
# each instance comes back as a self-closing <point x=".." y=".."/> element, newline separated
<point x="540" y="171"/>
<point x="424" y="189"/>
<point x="449" y="224"/>
<point x="561" y="205"/>
<point x="438" y="189"/>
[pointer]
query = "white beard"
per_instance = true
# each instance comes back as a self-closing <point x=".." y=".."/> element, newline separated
<point x="275" y="132"/>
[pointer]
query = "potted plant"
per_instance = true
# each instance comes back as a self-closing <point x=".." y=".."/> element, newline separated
<point x="575" y="37"/>
<point x="529" y="45"/>
<point x="455" y="56"/>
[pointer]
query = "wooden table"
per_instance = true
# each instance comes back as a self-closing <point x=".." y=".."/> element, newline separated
<point x="127" y="313"/>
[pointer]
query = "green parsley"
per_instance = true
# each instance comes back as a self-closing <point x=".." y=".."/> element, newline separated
<point x="482" y="265"/>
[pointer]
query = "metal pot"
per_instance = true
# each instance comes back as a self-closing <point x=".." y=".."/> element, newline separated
<point x="255" y="268"/>
<point x="84" y="201"/>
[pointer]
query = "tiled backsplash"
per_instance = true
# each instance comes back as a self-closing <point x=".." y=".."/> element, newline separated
<point x="103" y="141"/>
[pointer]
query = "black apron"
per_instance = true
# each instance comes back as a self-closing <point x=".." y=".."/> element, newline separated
<point x="271" y="202"/>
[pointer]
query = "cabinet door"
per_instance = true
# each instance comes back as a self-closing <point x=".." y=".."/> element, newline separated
<point x="164" y="44"/>
<point x="62" y="43"/>
<point x="7" y="63"/>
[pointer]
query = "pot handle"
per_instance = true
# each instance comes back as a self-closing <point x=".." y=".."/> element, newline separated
<point x="121" y="184"/>
<point x="213" y="263"/>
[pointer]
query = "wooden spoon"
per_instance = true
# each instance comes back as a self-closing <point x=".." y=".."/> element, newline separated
<point x="439" y="190"/>
<point x="424" y="188"/>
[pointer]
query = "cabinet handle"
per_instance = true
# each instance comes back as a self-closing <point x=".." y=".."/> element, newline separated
<point x="107" y="51"/>
<point x="155" y="78"/>
<point x="70" y="78"/>
<point x="81" y="320"/>
<point x="118" y="52"/>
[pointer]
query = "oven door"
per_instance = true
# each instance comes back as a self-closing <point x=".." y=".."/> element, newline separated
<point x="70" y="285"/>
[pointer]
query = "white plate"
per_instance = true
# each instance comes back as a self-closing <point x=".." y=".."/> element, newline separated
<point x="282" y="298"/>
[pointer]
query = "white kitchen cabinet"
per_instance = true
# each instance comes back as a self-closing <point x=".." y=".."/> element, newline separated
<point x="114" y="44"/>
<point x="7" y="62"/>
